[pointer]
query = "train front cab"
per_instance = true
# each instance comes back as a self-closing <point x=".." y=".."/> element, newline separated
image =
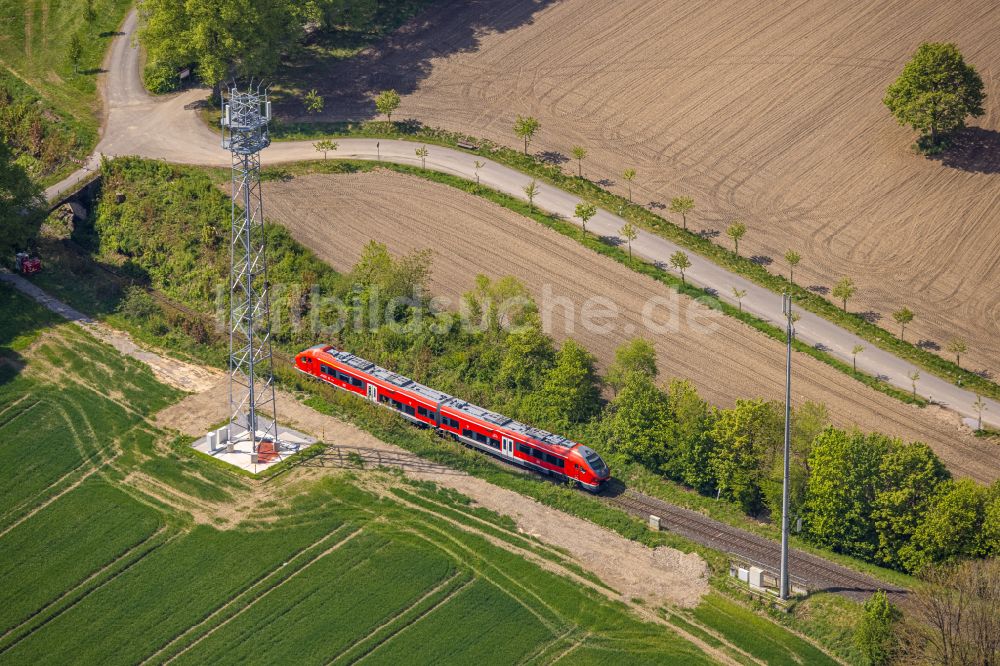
<point x="590" y="469"/>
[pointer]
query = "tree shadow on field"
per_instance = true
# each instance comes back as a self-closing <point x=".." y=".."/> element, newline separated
<point x="973" y="149"/>
<point x="552" y="157"/>
<point x="402" y="60"/>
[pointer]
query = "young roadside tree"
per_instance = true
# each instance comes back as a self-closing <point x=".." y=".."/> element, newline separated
<point x="386" y="103"/>
<point x="682" y="206"/>
<point x="747" y="438"/>
<point x="637" y="355"/>
<point x="736" y="231"/>
<point x="629" y="233"/>
<point x="914" y="378"/>
<point x="957" y="347"/>
<point x="855" y="350"/>
<point x="526" y="127"/>
<point x="935" y="93"/>
<point x="681" y="262"/>
<point x="979" y="405"/>
<point x="693" y="446"/>
<point x="738" y="294"/>
<point x="911" y="477"/>
<point x="531" y="191"/>
<point x="903" y="316"/>
<point x="637" y="423"/>
<point x="313" y="101"/>
<point x="584" y="212"/>
<point x="477" y="165"/>
<point x="844" y="472"/>
<point x="75" y="52"/>
<point x="579" y="154"/>
<point x="628" y="176"/>
<point x="792" y="258"/>
<point x="422" y="153"/>
<point x="89" y="14"/>
<point x="874" y="636"/>
<point x="324" y="146"/>
<point x="844" y="290"/>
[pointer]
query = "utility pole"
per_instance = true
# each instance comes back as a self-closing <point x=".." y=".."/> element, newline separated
<point x="786" y="309"/>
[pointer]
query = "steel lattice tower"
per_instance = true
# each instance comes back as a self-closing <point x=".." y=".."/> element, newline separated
<point x="253" y="416"/>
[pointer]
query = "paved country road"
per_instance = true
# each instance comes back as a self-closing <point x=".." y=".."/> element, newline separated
<point x="139" y="124"/>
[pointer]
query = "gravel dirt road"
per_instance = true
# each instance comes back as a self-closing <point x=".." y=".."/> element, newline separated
<point x="336" y="216"/>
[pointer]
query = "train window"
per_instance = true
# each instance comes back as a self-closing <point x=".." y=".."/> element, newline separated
<point x="495" y="443"/>
<point x="524" y="448"/>
<point x="408" y="410"/>
<point x="307" y="359"/>
<point x="357" y="382"/>
<point x="422" y="411"/>
<point x="451" y="423"/>
<point x="538" y="453"/>
<point x="325" y="369"/>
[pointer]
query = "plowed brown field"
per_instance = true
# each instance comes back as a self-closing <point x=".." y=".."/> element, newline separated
<point x="336" y="215"/>
<point x="767" y="112"/>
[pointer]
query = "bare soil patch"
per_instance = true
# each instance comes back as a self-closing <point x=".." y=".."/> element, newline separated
<point x="336" y="215"/>
<point x="769" y="113"/>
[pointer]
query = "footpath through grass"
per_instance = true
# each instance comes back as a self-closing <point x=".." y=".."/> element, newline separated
<point x="651" y="221"/>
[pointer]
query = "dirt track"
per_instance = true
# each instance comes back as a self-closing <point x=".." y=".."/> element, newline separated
<point x="770" y="113"/>
<point x="336" y="215"/>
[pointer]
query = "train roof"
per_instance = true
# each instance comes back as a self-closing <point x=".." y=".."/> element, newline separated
<point x="451" y="402"/>
<point x="388" y="376"/>
<point x="508" y="423"/>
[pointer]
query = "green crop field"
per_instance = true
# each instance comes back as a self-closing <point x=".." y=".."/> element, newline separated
<point x="103" y="567"/>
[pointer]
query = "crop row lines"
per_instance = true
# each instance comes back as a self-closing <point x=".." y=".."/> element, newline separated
<point x="247" y="598"/>
<point x="92" y="584"/>
<point x="431" y="600"/>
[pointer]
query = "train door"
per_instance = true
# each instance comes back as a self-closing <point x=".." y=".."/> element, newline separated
<point x="372" y="392"/>
<point x="507" y="447"/>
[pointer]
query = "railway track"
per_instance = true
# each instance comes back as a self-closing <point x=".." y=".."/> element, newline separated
<point x="810" y="571"/>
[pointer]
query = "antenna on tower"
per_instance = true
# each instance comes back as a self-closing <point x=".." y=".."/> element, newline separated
<point x="253" y="414"/>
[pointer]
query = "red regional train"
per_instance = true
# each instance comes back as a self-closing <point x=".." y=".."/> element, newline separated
<point x="488" y="431"/>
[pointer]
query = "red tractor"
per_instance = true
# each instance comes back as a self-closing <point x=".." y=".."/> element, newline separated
<point x="25" y="264"/>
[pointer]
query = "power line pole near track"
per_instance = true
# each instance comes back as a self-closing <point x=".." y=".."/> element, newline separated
<point x="786" y="309"/>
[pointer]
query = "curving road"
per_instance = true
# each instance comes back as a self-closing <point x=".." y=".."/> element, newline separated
<point x="139" y="124"/>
